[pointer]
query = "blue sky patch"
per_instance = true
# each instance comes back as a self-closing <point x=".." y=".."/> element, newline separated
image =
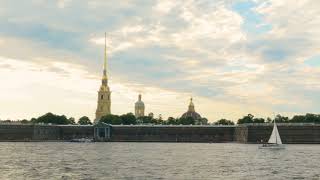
<point x="313" y="61"/>
<point x="253" y="21"/>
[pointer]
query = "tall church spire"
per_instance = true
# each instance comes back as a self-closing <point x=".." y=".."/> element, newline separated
<point x="104" y="94"/>
<point x="105" y="56"/>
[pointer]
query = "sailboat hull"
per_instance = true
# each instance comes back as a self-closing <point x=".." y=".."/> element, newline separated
<point x="272" y="146"/>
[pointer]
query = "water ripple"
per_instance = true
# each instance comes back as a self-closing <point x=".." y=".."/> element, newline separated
<point x="156" y="161"/>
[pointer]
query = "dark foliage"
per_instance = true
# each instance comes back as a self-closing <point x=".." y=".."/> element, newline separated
<point x="224" y="122"/>
<point x="84" y="121"/>
<point x="53" y="119"/>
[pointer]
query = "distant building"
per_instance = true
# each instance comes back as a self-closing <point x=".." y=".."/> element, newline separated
<point x="139" y="108"/>
<point x="104" y="99"/>
<point x="191" y="112"/>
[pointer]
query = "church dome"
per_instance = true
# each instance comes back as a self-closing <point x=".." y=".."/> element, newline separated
<point x="139" y="108"/>
<point x="139" y="103"/>
<point x="191" y="112"/>
<point x="194" y="115"/>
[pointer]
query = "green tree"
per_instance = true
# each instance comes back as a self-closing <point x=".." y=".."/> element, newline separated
<point x="146" y="120"/>
<point x="186" y="121"/>
<point x="281" y="119"/>
<point x="111" y="119"/>
<point x="312" y="118"/>
<point x="269" y="120"/>
<point x="308" y="118"/>
<point x="33" y="120"/>
<point x="258" y="120"/>
<point x="71" y="120"/>
<point x="298" y="119"/>
<point x="224" y="122"/>
<point x="202" y="121"/>
<point x="171" y="120"/>
<point x="84" y="121"/>
<point x="246" y="119"/>
<point x="150" y="120"/>
<point x="128" y="119"/>
<point x="24" y="121"/>
<point x="159" y="120"/>
<point x="52" y="118"/>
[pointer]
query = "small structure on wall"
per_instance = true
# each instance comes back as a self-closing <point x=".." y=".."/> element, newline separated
<point x="102" y="132"/>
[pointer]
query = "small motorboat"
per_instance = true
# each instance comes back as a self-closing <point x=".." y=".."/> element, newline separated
<point x="82" y="140"/>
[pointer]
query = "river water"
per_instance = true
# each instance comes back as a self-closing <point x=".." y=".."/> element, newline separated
<point x="62" y="160"/>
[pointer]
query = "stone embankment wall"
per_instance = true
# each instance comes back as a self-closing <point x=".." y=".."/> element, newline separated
<point x="23" y="132"/>
<point x="16" y="132"/>
<point x="240" y="134"/>
<point x="290" y="133"/>
<point x="172" y="133"/>
<point x="250" y="133"/>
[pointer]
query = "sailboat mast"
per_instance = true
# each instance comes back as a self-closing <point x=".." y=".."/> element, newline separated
<point x="274" y="125"/>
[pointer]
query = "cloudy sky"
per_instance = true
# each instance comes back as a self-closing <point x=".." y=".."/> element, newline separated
<point x="233" y="57"/>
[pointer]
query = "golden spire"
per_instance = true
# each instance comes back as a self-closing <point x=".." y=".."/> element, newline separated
<point x="105" y="56"/>
<point x="191" y="105"/>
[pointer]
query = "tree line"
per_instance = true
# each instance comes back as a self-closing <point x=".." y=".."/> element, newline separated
<point x="130" y="119"/>
<point x="307" y="118"/>
<point x="50" y="118"/>
<point x="125" y="119"/>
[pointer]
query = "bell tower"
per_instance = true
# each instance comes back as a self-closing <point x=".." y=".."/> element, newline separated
<point x="104" y="94"/>
<point x="139" y="107"/>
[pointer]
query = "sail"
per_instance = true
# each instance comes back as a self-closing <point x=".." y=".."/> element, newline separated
<point x="275" y="137"/>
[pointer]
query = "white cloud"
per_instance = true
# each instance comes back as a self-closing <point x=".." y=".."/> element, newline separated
<point x="180" y="48"/>
<point x="221" y="23"/>
<point x="299" y="21"/>
<point x="164" y="6"/>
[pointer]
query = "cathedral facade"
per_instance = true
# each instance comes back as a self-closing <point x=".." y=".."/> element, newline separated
<point x="104" y="94"/>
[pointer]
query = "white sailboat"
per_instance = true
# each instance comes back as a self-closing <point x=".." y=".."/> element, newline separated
<point x="274" y="140"/>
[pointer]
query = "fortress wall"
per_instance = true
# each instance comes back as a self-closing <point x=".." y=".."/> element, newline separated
<point x="250" y="133"/>
<point x="298" y="134"/>
<point x="46" y="132"/>
<point x="68" y="132"/>
<point x="172" y="133"/>
<point x="21" y="132"/>
<point x="17" y="132"/>
<point x="240" y="134"/>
